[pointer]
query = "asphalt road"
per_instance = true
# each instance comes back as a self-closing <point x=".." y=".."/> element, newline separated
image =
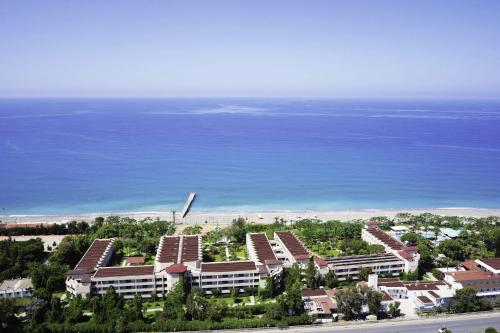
<point x="457" y="324"/>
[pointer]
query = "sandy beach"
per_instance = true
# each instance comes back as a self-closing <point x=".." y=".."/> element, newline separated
<point x="222" y="218"/>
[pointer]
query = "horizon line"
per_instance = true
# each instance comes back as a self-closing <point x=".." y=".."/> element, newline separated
<point x="260" y="97"/>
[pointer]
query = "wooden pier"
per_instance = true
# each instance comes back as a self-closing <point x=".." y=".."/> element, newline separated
<point x="188" y="204"/>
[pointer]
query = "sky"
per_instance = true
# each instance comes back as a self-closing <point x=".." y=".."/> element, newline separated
<point x="334" y="49"/>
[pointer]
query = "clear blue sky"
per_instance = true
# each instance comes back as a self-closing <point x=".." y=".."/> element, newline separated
<point x="250" y="48"/>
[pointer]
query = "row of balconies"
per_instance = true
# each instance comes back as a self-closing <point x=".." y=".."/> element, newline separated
<point x="122" y="281"/>
<point x="206" y="283"/>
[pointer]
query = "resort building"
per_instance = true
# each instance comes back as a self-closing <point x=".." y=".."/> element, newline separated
<point x="176" y="256"/>
<point x="262" y="253"/>
<point x="320" y="303"/>
<point x="372" y="234"/>
<point x="425" y="295"/>
<point x="386" y="264"/>
<point x="483" y="275"/>
<point x="16" y="288"/>
<point x="293" y="250"/>
<point x="224" y="276"/>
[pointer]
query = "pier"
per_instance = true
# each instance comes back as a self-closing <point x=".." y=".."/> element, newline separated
<point x="188" y="204"/>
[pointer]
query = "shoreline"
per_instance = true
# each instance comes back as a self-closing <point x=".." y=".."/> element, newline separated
<point x="265" y="216"/>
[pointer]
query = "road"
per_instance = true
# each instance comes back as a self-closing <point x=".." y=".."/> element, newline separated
<point x="457" y="324"/>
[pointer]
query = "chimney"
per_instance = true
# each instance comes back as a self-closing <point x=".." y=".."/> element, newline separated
<point x="373" y="281"/>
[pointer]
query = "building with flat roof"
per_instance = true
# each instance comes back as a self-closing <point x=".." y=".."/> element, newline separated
<point x="382" y="264"/>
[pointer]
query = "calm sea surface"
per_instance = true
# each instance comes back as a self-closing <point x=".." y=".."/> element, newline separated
<point x="100" y="155"/>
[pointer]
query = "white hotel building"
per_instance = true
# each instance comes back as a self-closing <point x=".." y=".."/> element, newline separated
<point x="409" y="255"/>
<point x="182" y="255"/>
<point x="176" y="256"/>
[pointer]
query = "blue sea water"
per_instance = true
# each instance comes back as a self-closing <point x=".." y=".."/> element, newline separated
<point x="62" y="156"/>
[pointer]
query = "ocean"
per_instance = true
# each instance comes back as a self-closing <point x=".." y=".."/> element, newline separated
<point x="75" y="156"/>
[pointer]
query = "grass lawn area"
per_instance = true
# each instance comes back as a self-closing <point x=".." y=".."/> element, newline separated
<point x="238" y="252"/>
<point x="324" y="251"/>
<point x="221" y="256"/>
<point x="58" y="295"/>
<point x="22" y="301"/>
<point x="150" y="260"/>
<point x="156" y="304"/>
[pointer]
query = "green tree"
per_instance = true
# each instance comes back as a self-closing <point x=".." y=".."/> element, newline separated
<point x="490" y="330"/>
<point x="452" y="248"/>
<point x="291" y="300"/>
<point x="311" y="275"/>
<point x="364" y="272"/>
<point x="73" y="312"/>
<point x="497" y="243"/>
<point x="192" y="230"/>
<point x="9" y="322"/>
<point x="134" y="309"/>
<point x="173" y="307"/>
<point x="49" y="277"/>
<point x="268" y="290"/>
<point x="216" y="310"/>
<point x="238" y="230"/>
<point x="373" y="300"/>
<point x="292" y="275"/>
<point x="410" y="237"/>
<point x="465" y="300"/>
<point x="349" y="303"/>
<point x="108" y="308"/>
<point x="274" y="311"/>
<point x="331" y="279"/>
<point x="376" y="248"/>
<point x="196" y="305"/>
<point x="394" y="310"/>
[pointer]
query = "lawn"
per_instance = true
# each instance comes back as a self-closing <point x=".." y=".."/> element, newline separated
<point x="238" y="252"/>
<point x="324" y="250"/>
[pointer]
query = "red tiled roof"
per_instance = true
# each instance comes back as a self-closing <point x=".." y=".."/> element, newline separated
<point x="176" y="268"/>
<point x="371" y="223"/>
<point x="424" y="299"/>
<point x="190" y="248"/>
<point x="294" y="246"/>
<point x="424" y="285"/>
<point x="169" y="249"/>
<point x="320" y="261"/>
<point x="391" y="283"/>
<point x="326" y="304"/>
<point x="228" y="266"/>
<point x="123" y="271"/>
<point x="433" y="294"/>
<point x="386" y="297"/>
<point x="385" y="238"/>
<point x="492" y="262"/>
<point x="263" y="249"/>
<point x="469" y="265"/>
<point x="472" y="275"/>
<point x="302" y="257"/>
<point x="135" y="260"/>
<point x="313" y="292"/>
<point x="405" y="255"/>
<point x="90" y="259"/>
